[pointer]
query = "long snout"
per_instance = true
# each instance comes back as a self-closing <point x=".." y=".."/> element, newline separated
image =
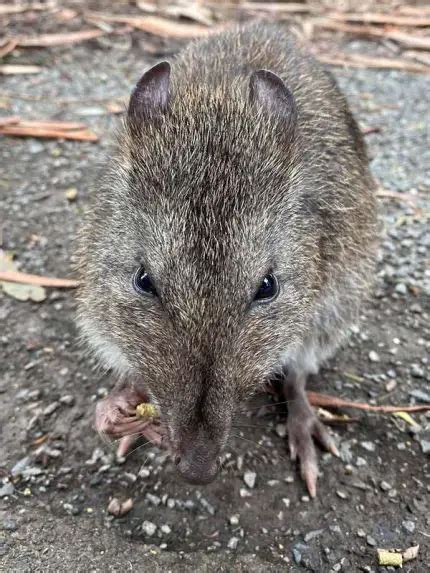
<point x="197" y="461"/>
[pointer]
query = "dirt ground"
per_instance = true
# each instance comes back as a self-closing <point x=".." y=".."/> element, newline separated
<point x="58" y="476"/>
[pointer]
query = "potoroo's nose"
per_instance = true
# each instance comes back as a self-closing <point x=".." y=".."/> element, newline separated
<point x="198" y="464"/>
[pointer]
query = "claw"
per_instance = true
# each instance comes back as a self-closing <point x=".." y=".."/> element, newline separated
<point x="310" y="475"/>
<point x="303" y="428"/>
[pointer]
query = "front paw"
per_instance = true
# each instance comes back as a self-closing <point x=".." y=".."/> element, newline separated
<point x="303" y="428"/>
<point x="116" y="414"/>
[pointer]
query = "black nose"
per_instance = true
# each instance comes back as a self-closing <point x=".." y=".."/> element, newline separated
<point x="198" y="465"/>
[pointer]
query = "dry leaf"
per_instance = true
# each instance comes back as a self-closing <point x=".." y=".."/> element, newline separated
<point x="406" y="197"/>
<point x="406" y="418"/>
<point x="17" y="290"/>
<point x="153" y="24"/>
<point x="407" y="40"/>
<point x="8" y="47"/>
<point x="118" y="509"/>
<point x="65" y="14"/>
<point x="14" y="69"/>
<point x="18" y="8"/>
<point x="380" y="18"/>
<point x="11" y="120"/>
<point x="364" y="61"/>
<point x="276" y="7"/>
<point x="47" y="124"/>
<point x="47" y="40"/>
<point x="411" y="553"/>
<point x="330" y="418"/>
<point x="146" y="6"/>
<point x="195" y="12"/>
<point x="115" y="107"/>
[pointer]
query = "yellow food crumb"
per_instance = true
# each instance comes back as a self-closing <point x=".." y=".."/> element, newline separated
<point x="146" y="410"/>
<point x="390" y="558"/>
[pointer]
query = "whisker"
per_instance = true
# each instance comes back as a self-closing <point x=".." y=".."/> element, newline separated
<point x="138" y="447"/>
<point x="269" y="405"/>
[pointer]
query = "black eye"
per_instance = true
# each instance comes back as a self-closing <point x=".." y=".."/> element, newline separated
<point x="142" y="282"/>
<point x="268" y="289"/>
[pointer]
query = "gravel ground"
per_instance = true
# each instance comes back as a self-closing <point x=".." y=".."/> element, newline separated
<point x="58" y="477"/>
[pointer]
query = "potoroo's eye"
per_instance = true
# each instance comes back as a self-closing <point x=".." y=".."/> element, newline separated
<point x="268" y="289"/>
<point x="142" y="282"/>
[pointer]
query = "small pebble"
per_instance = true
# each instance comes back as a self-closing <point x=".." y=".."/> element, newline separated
<point x="71" y="194"/>
<point x="385" y="486"/>
<point x="420" y="395"/>
<point x="234" y="520"/>
<point x="8" y="525"/>
<point x="341" y="494"/>
<point x="50" y="409"/>
<point x="153" y="499"/>
<point x="418" y="372"/>
<point x="369" y="446"/>
<point x="409" y="526"/>
<point x="425" y="446"/>
<point x="281" y="430"/>
<point x="68" y="400"/>
<point x="374" y="356"/>
<point x="401" y="288"/>
<point x="166" y="529"/>
<point x="313" y="534"/>
<point x="249" y="478"/>
<point x="371" y="541"/>
<point x="149" y="528"/>
<point x="233" y="543"/>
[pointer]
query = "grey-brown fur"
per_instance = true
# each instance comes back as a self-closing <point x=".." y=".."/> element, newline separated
<point x="209" y="196"/>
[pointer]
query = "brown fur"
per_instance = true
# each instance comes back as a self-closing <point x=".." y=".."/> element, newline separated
<point x="209" y="197"/>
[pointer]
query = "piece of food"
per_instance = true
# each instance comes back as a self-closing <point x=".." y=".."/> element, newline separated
<point x="386" y="558"/>
<point x="147" y="410"/>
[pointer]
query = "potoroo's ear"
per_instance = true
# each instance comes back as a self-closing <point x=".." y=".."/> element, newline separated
<point x="267" y="90"/>
<point x="150" y="97"/>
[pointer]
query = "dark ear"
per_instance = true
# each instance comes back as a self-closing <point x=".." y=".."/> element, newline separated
<point x="150" y="97"/>
<point x="269" y="91"/>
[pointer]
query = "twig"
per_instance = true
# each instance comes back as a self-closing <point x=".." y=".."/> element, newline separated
<point x="406" y="197"/>
<point x="407" y="40"/>
<point x="14" y="69"/>
<point x="369" y="130"/>
<point x="11" y="120"/>
<point x="276" y="7"/>
<point x="47" y="40"/>
<point x="47" y="129"/>
<point x="19" y="8"/>
<point x="379" y="18"/>
<point x="57" y="125"/>
<point x="153" y="24"/>
<point x="363" y="61"/>
<point x="415" y="10"/>
<point x="326" y="401"/>
<point x="8" y="47"/>
<point x="36" y="280"/>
